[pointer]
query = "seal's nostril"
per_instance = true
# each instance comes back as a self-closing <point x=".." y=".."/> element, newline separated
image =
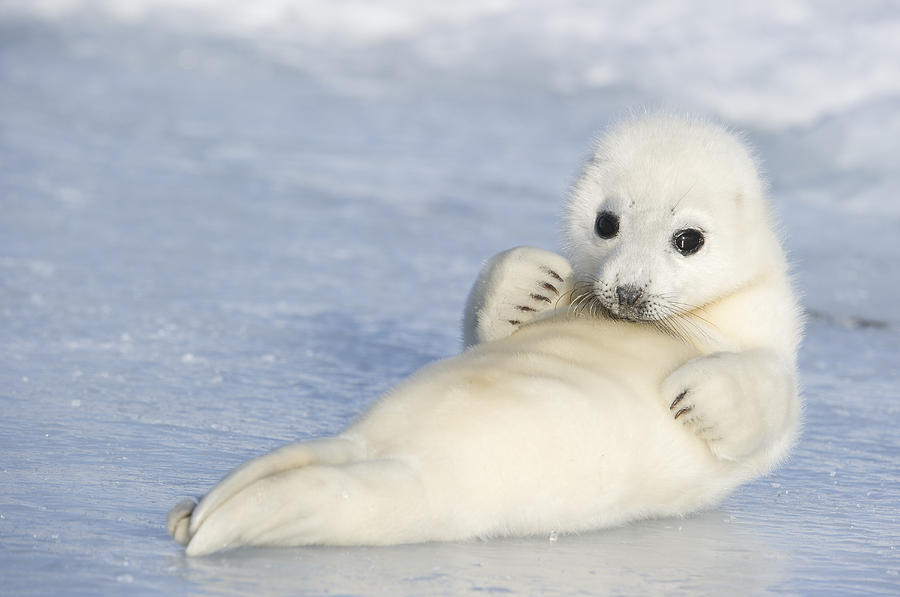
<point x="628" y="295"/>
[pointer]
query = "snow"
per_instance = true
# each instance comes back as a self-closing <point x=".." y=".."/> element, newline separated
<point x="228" y="225"/>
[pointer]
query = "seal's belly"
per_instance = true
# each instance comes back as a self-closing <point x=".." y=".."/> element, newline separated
<point x="564" y="412"/>
<point x="571" y="378"/>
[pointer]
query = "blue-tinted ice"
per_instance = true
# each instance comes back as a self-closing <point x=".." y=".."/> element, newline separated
<point x="214" y="241"/>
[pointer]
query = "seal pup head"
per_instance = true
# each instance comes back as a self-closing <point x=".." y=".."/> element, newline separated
<point x="667" y="216"/>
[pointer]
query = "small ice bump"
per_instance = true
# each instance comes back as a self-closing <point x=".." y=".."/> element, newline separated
<point x="267" y="358"/>
<point x="76" y="403"/>
<point x="125" y="578"/>
<point x="41" y="268"/>
<point x="190" y="358"/>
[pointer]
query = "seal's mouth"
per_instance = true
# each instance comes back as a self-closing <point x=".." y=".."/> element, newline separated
<point x="671" y="318"/>
<point x="640" y="313"/>
<point x="635" y="304"/>
<point x="624" y="302"/>
<point x="593" y="304"/>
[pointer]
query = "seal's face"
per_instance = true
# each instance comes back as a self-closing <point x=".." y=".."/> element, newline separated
<point x="663" y="220"/>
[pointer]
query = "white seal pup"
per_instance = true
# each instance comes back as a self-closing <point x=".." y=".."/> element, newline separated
<point x="647" y="375"/>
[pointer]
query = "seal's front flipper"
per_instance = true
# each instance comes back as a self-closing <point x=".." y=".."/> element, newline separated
<point x="512" y="289"/>
<point x="739" y="402"/>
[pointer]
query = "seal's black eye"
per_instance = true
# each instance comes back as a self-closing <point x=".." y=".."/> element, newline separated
<point x="607" y="224"/>
<point x="688" y="241"/>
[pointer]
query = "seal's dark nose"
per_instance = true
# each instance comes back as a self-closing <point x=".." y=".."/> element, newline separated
<point x="628" y="295"/>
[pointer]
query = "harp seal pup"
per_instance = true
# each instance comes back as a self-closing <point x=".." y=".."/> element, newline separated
<point x="648" y="374"/>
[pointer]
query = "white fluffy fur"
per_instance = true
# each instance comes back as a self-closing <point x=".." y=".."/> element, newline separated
<point x="558" y="417"/>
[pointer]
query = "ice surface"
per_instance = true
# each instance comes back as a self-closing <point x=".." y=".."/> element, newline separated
<point x="229" y="225"/>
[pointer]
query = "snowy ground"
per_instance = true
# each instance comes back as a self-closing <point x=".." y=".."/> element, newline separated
<point x="229" y="225"/>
